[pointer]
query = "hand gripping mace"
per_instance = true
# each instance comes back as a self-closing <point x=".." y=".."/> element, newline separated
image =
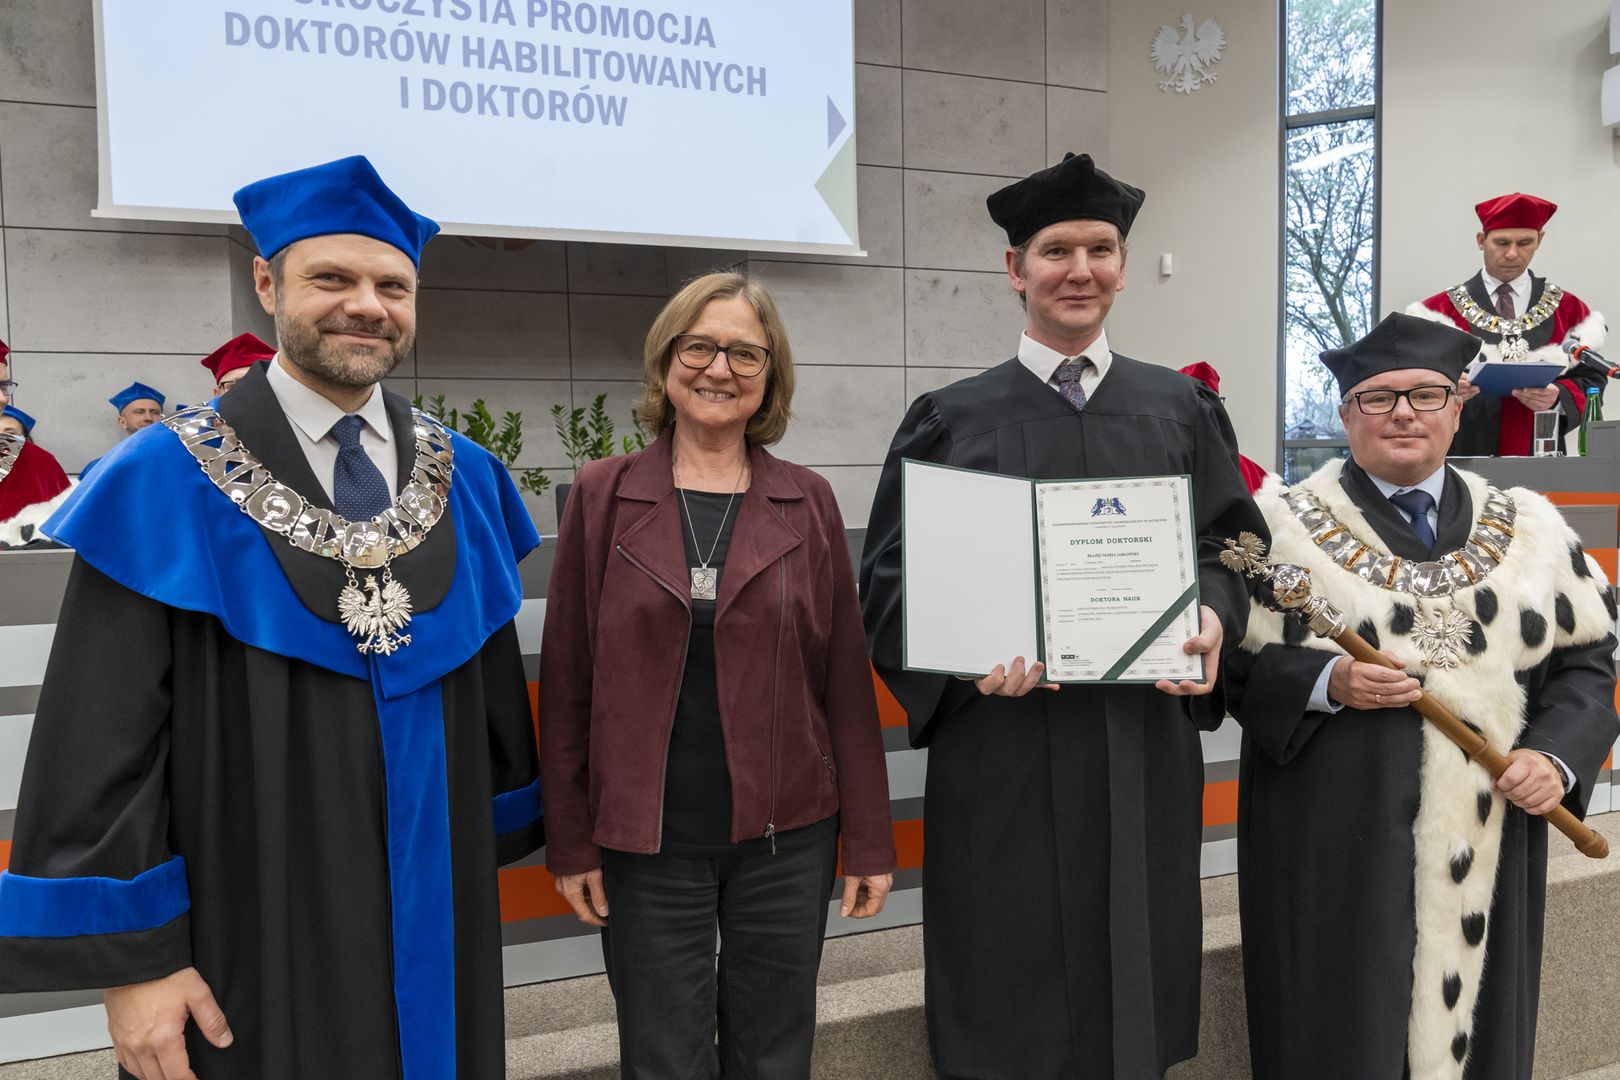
<point x="1290" y="591"/>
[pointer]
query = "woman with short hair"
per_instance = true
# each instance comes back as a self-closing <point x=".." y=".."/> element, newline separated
<point x="708" y="726"/>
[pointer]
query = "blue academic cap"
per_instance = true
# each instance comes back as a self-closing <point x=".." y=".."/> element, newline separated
<point x="22" y="417"/>
<point x="343" y="196"/>
<point x="135" y="391"/>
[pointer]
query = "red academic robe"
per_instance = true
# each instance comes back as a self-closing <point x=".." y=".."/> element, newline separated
<point x="29" y="493"/>
<point x="1512" y="430"/>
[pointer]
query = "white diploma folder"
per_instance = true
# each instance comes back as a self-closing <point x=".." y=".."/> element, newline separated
<point x="1095" y="578"/>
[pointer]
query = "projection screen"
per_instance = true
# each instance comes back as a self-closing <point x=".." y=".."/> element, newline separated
<point x="708" y="123"/>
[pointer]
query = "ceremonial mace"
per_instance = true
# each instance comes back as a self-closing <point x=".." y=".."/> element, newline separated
<point x="1290" y="591"/>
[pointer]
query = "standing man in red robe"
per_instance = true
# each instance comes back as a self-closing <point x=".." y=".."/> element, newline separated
<point x="1518" y="315"/>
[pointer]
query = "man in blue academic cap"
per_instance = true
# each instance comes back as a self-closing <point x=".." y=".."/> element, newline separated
<point x="138" y="406"/>
<point x="272" y="778"/>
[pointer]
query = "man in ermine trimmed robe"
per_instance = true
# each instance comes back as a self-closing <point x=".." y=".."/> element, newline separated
<point x="1392" y="892"/>
<point x="1505" y="303"/>
<point x="284" y="736"/>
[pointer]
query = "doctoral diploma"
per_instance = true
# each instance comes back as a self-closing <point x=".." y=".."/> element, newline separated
<point x="1118" y="579"/>
<point x="1097" y="579"/>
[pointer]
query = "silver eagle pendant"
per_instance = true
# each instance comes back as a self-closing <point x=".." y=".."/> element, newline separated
<point x="377" y="614"/>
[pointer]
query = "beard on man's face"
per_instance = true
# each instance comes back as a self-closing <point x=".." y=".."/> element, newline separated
<point x="349" y="365"/>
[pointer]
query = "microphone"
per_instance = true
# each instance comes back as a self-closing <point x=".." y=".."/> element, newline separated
<point x="1589" y="357"/>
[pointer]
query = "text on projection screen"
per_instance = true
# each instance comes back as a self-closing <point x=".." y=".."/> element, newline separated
<point x="707" y="122"/>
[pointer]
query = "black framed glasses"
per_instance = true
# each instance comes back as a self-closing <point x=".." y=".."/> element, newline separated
<point x="8" y="386"/>
<point x="1421" y="398"/>
<point x="698" y="352"/>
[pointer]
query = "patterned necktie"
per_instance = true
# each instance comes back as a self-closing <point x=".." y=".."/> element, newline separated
<point x="358" y="489"/>
<point x="1504" y="301"/>
<point x="1416" y="505"/>
<point x="1067" y="377"/>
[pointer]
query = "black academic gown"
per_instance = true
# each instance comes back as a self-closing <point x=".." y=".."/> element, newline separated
<point x="1062" y="928"/>
<point x="1325" y="847"/>
<point x="160" y="735"/>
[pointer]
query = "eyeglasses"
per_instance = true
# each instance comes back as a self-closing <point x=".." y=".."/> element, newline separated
<point x="698" y="352"/>
<point x="1421" y="398"/>
<point x="7" y="386"/>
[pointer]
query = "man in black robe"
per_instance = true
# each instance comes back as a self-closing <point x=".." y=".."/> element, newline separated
<point x="284" y="737"/>
<point x="1061" y="921"/>
<point x="1392" y="893"/>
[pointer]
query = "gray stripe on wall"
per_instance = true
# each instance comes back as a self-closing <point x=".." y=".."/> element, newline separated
<point x="23" y="1004"/>
<point x="905" y="809"/>
<point x="896" y="738"/>
<point x="1595" y="525"/>
<point x="1216" y="772"/>
<point x="1213" y="833"/>
<point x="8" y="823"/>
<point x="19" y="700"/>
<point x="35" y="581"/>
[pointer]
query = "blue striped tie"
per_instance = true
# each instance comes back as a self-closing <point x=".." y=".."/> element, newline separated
<point x="358" y="489"/>
<point x="1416" y="505"/>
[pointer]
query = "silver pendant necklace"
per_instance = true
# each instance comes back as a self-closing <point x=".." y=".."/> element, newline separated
<point x="374" y="610"/>
<point x="1441" y="632"/>
<point x="1513" y="346"/>
<point x="705" y="578"/>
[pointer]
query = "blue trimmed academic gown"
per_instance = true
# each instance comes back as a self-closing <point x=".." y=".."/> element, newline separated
<point x="218" y="778"/>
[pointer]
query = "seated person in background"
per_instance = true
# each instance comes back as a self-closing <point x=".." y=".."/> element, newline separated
<point x="1506" y="301"/>
<point x="32" y="484"/>
<point x="1253" y="475"/>
<point x="231" y="361"/>
<point x="139" y="406"/>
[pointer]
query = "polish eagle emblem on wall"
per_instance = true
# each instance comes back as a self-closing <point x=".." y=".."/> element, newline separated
<point x="1187" y="56"/>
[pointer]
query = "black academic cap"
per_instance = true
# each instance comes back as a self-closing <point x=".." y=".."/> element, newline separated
<point x="1399" y="342"/>
<point x="1073" y="189"/>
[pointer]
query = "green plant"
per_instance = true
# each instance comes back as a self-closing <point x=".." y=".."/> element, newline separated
<point x="587" y="435"/>
<point x="504" y="439"/>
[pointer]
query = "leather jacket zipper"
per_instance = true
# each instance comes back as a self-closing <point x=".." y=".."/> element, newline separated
<point x="680" y="679"/>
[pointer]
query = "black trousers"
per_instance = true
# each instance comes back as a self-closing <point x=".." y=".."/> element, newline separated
<point x="752" y="1016"/>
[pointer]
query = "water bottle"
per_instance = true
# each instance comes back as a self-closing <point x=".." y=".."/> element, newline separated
<point x="1593" y="413"/>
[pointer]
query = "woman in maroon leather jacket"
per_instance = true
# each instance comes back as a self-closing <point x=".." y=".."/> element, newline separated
<point x="708" y="728"/>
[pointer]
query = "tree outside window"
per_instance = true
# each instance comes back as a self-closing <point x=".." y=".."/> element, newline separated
<point x="1330" y="201"/>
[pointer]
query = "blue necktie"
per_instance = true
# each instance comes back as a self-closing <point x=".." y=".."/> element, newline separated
<point x="1416" y="505"/>
<point x="358" y="489"/>
<point x="1067" y="377"/>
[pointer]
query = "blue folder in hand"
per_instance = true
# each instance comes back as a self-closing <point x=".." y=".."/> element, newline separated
<point x="1499" y="378"/>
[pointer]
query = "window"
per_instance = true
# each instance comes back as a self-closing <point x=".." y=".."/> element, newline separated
<point x="1330" y="126"/>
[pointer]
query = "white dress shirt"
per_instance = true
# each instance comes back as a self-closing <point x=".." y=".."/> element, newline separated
<point x="1519" y="289"/>
<point x="1043" y="361"/>
<point x="313" y="417"/>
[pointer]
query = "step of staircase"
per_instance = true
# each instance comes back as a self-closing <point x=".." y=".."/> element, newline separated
<point x="870" y="1024"/>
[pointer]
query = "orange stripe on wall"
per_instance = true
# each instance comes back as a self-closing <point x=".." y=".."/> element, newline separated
<point x="1220" y="803"/>
<point x="890" y="714"/>
<point x="527" y="892"/>
<point x="1606" y="558"/>
<point x="5" y="854"/>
